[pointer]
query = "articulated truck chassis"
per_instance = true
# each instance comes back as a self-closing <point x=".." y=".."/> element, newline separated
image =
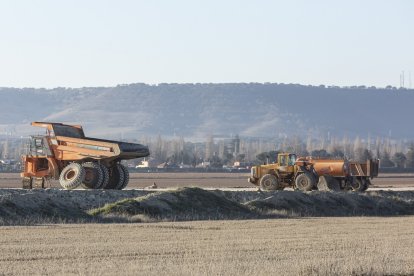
<point x="307" y="173"/>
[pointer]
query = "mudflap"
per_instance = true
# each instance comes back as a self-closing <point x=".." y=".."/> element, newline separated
<point x="328" y="183"/>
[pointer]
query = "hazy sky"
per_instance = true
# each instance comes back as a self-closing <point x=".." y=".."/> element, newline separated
<point x="104" y="43"/>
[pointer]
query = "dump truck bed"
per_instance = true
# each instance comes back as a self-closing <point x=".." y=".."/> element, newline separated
<point x="68" y="142"/>
<point x="68" y="148"/>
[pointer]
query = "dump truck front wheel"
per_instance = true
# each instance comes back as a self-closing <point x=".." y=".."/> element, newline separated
<point x="72" y="176"/>
<point x="27" y="183"/>
<point x="269" y="182"/>
<point x="305" y="182"/>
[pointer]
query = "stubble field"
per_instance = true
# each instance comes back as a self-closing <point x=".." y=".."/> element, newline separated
<point x="313" y="246"/>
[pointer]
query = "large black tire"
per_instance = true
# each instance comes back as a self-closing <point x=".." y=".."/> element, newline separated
<point x="93" y="175"/>
<point x="105" y="176"/>
<point x="38" y="182"/>
<point x="72" y="176"/>
<point x="359" y="185"/>
<point x="116" y="177"/>
<point x="27" y="183"/>
<point x="126" y="178"/>
<point x="269" y="182"/>
<point x="367" y="183"/>
<point x="305" y="182"/>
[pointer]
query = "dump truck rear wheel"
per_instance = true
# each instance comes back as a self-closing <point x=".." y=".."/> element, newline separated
<point x="93" y="175"/>
<point x="269" y="182"/>
<point x="305" y="182"/>
<point x="72" y="176"/>
<point x="126" y="177"/>
<point x="105" y="177"/>
<point x="116" y="177"/>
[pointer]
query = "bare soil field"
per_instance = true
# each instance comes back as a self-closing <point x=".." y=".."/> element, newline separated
<point x="207" y="180"/>
<point x="313" y="246"/>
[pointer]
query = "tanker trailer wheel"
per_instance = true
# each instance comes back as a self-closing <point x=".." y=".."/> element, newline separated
<point x="126" y="178"/>
<point x="72" y="176"/>
<point x="93" y="175"/>
<point x="269" y="182"/>
<point x="116" y="177"/>
<point x="367" y="183"/>
<point x="305" y="182"/>
<point x="105" y="176"/>
<point x="358" y="185"/>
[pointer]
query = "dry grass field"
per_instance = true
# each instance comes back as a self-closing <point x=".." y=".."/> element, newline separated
<point x="313" y="246"/>
<point x="206" y="180"/>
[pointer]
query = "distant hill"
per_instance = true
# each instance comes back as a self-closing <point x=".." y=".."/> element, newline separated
<point x="199" y="110"/>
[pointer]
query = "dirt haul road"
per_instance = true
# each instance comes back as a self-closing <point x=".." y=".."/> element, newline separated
<point x="209" y="180"/>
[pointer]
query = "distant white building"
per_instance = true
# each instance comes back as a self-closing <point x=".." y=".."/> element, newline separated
<point x="150" y="163"/>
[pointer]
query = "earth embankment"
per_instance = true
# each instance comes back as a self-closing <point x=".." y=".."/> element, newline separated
<point x="19" y="207"/>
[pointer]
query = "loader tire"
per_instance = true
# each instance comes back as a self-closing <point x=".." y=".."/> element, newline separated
<point x="328" y="183"/>
<point x="126" y="178"/>
<point x="116" y="177"/>
<point x="358" y="185"/>
<point x="72" y="176"/>
<point x="93" y="175"/>
<point x="269" y="182"/>
<point x="105" y="177"/>
<point x="305" y="182"/>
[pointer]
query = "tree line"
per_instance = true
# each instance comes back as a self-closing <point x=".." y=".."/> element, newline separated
<point x="218" y="152"/>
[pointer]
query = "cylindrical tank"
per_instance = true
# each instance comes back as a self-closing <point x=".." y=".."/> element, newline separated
<point x="330" y="167"/>
<point x="333" y="167"/>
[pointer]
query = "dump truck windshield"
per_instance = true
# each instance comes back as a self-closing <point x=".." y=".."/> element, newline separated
<point x="68" y="131"/>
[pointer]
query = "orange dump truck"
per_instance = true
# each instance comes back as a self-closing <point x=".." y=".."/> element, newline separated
<point x="66" y="154"/>
<point x="309" y="173"/>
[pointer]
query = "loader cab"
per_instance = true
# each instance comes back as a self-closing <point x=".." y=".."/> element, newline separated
<point x="286" y="159"/>
<point x="286" y="162"/>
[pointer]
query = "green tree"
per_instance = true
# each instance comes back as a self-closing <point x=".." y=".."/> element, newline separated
<point x="320" y="153"/>
<point x="385" y="160"/>
<point x="270" y="156"/>
<point x="409" y="162"/>
<point x="399" y="159"/>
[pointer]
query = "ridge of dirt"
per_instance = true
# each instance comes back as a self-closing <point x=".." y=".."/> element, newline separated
<point x="22" y="207"/>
